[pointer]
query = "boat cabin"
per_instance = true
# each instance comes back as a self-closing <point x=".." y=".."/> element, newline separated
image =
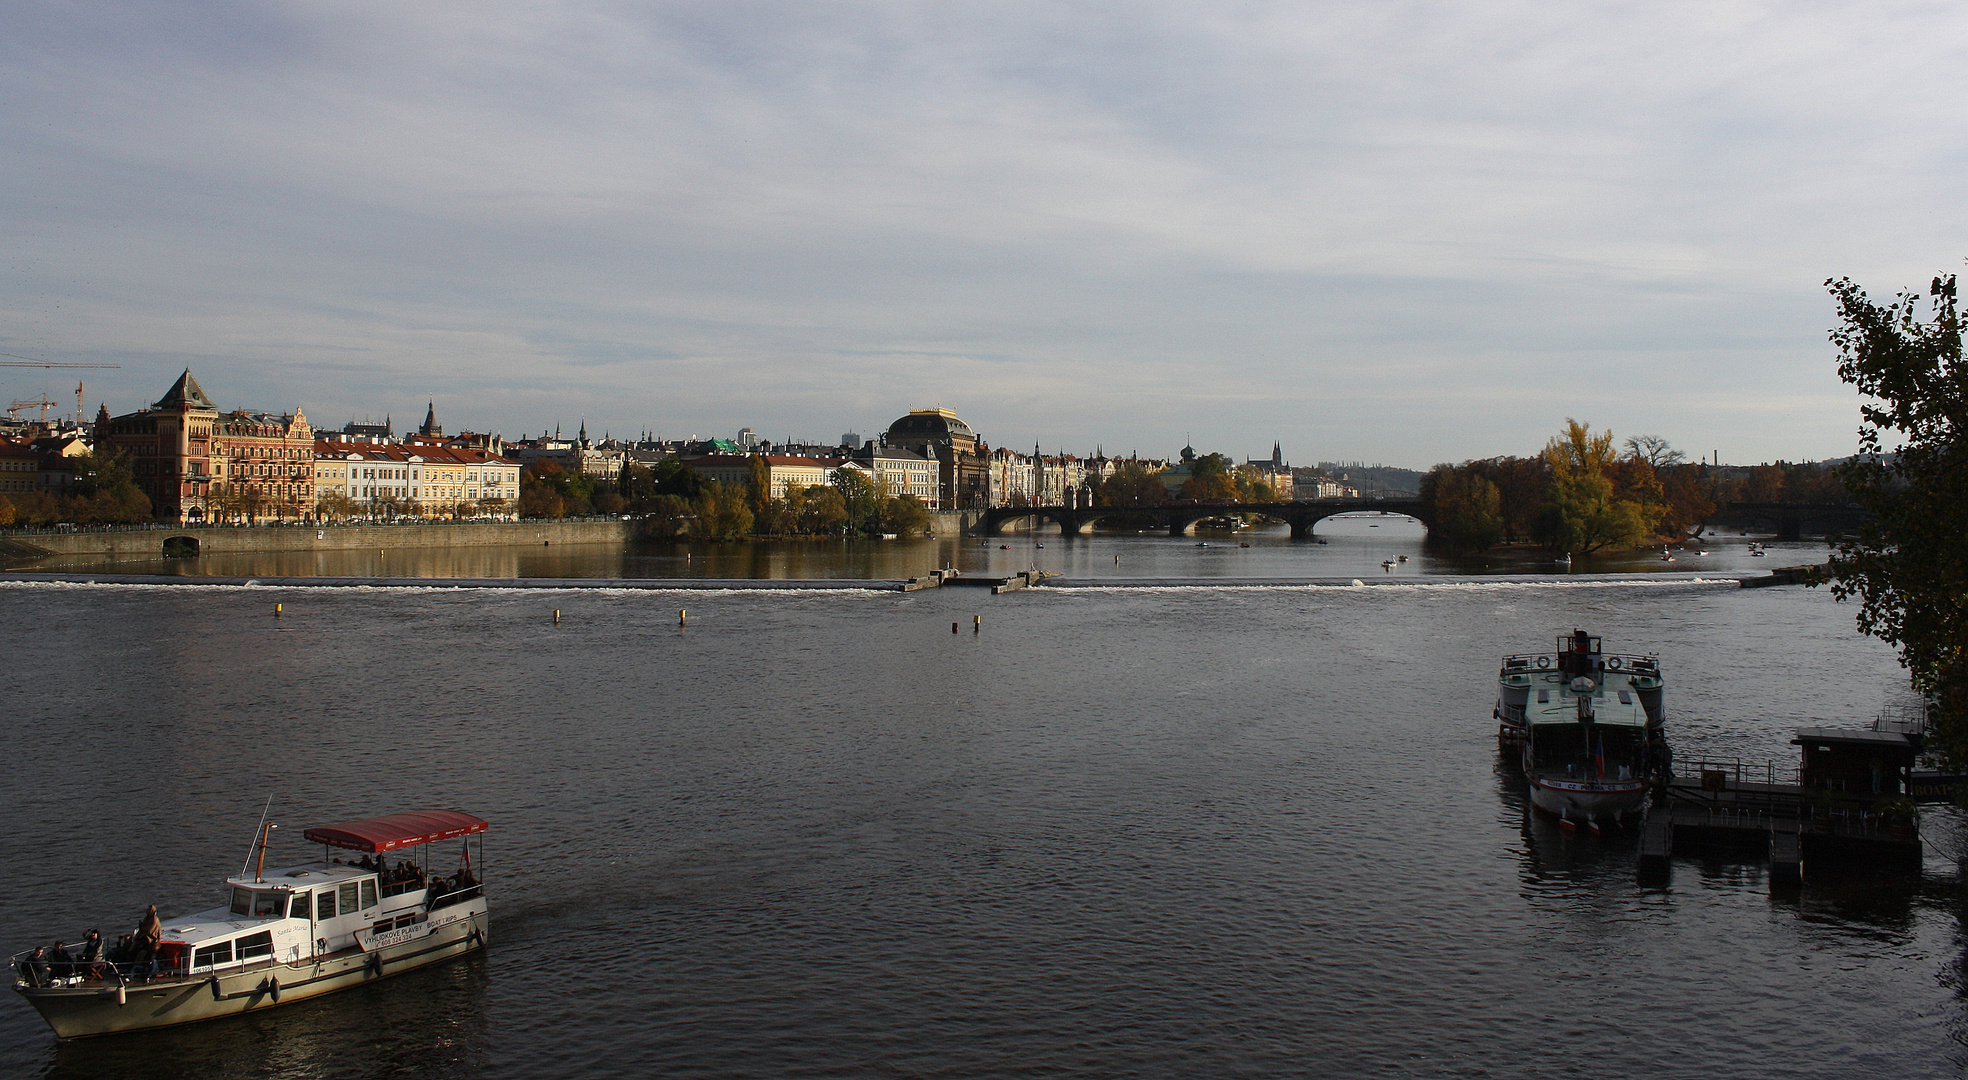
<point x="1857" y="762"/>
<point x="294" y="913"/>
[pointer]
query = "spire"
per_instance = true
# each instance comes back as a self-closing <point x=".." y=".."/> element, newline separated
<point x="430" y="421"/>
<point x="186" y="392"/>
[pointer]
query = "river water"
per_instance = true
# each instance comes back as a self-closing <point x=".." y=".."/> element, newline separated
<point x="1118" y="829"/>
<point x="1377" y="547"/>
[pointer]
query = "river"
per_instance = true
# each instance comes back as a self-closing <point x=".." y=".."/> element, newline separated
<point x="1378" y="547"/>
<point x="1118" y="829"/>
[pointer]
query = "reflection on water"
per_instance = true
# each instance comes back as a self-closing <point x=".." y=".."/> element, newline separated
<point x="1376" y="548"/>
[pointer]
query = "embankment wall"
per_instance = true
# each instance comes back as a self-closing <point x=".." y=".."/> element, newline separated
<point x="149" y="543"/>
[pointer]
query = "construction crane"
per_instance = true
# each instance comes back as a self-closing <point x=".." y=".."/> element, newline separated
<point x="29" y="361"/>
<point x="44" y="404"/>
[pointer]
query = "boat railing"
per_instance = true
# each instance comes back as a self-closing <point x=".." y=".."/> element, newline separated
<point x="1737" y="772"/>
<point x="446" y="899"/>
<point x="1532" y="663"/>
<point x="77" y="972"/>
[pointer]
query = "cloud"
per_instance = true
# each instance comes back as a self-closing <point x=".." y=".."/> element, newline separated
<point x="1411" y="232"/>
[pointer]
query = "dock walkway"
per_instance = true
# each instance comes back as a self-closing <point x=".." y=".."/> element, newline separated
<point x="1788" y="824"/>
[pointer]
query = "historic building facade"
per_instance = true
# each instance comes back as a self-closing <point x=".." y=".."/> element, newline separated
<point x="963" y="466"/>
<point x="783" y="471"/>
<point x="368" y="480"/>
<point x="901" y="471"/>
<point x="199" y="464"/>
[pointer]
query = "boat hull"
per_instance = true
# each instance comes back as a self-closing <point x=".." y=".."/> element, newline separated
<point x="1588" y="800"/>
<point x="94" y="1009"/>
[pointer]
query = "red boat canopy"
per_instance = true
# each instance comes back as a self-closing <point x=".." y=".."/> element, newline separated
<point x="398" y="830"/>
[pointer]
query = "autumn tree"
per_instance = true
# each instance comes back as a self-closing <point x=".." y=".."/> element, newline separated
<point x="1908" y="566"/>
<point x="1130" y="484"/>
<point x="904" y="515"/>
<point x="106" y="490"/>
<point x="724" y="512"/>
<point x="547" y="490"/>
<point x="759" y="483"/>
<point x="1210" y="480"/>
<point x="1465" y="507"/>
<point x="861" y="494"/>
<point x="1583" y="511"/>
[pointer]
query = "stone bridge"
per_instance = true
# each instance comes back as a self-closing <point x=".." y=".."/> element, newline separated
<point x="1790" y="521"/>
<point x="1180" y="518"/>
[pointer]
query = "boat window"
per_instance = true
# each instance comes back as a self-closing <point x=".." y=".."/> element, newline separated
<point x="368" y="892"/>
<point x="212" y="954"/>
<point x="300" y="908"/>
<point x="325" y="909"/>
<point x="348" y="897"/>
<point x="242" y="901"/>
<point x="253" y="945"/>
<point x="269" y="904"/>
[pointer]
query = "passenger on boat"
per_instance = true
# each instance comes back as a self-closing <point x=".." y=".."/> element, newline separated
<point x="149" y="934"/>
<point x="92" y="954"/>
<point x="34" y="969"/>
<point x="61" y="964"/>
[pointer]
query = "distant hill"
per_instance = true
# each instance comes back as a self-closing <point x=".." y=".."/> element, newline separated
<point x="1375" y="479"/>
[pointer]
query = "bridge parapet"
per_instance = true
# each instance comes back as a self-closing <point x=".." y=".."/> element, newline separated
<point x="1180" y="518"/>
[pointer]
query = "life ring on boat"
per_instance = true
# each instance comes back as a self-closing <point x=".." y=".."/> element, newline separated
<point x="1613" y="662"/>
<point x="1544" y="661"/>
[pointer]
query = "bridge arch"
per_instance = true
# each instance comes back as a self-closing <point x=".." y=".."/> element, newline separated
<point x="1180" y="518"/>
<point x="180" y="547"/>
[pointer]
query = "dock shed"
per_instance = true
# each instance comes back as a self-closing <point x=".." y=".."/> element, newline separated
<point x="1871" y="763"/>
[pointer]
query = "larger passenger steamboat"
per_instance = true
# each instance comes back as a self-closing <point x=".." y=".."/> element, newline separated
<point x="1587" y="726"/>
<point x="283" y="934"/>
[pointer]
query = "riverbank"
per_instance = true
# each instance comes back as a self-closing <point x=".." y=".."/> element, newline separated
<point x="1016" y="581"/>
<point x="161" y="541"/>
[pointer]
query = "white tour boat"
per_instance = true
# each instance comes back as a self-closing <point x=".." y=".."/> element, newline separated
<point x="1588" y="728"/>
<point x="282" y="935"/>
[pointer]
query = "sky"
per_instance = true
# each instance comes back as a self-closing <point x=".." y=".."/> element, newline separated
<point x="1385" y="232"/>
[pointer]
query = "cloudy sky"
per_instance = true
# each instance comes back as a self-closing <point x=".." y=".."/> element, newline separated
<point x="1398" y="232"/>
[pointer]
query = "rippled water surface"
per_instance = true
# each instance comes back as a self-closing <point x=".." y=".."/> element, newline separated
<point x="1118" y="831"/>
